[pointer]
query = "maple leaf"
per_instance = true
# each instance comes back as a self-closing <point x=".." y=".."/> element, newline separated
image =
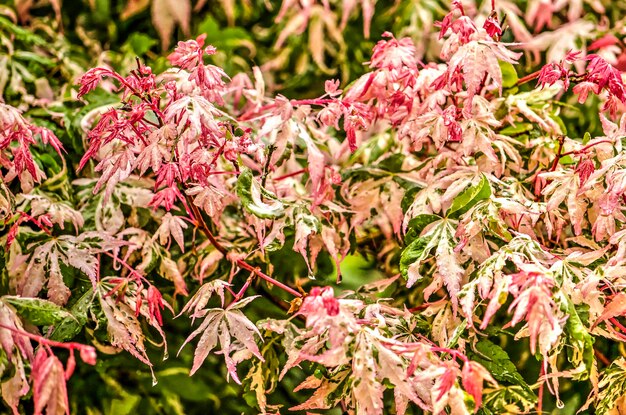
<point x="171" y="227"/>
<point x="49" y="388"/>
<point x="115" y="168"/>
<point x="16" y="348"/>
<point x="58" y="212"/>
<point x="473" y="375"/>
<point x="45" y="265"/>
<point x="477" y="60"/>
<point x="166" y="14"/>
<point x="231" y="328"/>
<point x="439" y="236"/>
<point x="123" y="327"/>
<point x="201" y="298"/>
<point x="325" y="395"/>
<point x="564" y="187"/>
<point x="535" y="305"/>
<point x="616" y="307"/>
<point x="156" y="152"/>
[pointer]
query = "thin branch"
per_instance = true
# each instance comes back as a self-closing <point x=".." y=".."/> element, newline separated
<point x="241" y="263"/>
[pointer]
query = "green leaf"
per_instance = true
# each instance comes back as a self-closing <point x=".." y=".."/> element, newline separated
<point x="34" y="57"/>
<point x="469" y="197"/>
<point x="581" y="342"/>
<point x="516" y="129"/>
<point x="251" y="195"/>
<point x="392" y="163"/>
<point x="417" y="225"/>
<point x="72" y="325"/>
<point x="20" y="33"/>
<point x="141" y="43"/>
<point x="496" y="360"/>
<point x="38" y="311"/>
<point x="509" y="75"/>
<point x="416" y="251"/>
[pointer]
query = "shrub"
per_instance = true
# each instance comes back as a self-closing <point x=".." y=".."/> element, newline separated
<point x="478" y="197"/>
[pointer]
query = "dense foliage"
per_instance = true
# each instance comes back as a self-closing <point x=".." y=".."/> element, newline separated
<point x="313" y="207"/>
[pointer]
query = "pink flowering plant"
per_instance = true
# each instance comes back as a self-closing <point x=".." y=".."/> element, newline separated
<point x="210" y="219"/>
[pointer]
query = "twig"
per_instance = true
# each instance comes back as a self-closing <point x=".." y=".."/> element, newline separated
<point x="528" y="78"/>
<point x="601" y="357"/>
<point x="559" y="153"/>
<point x="241" y="263"/>
<point x="542" y="372"/>
<point x="47" y="342"/>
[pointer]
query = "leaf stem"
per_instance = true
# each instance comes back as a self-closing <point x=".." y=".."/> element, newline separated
<point x="44" y="341"/>
<point x="292" y="174"/>
<point x="559" y="153"/>
<point x="267" y="278"/>
<point x="528" y="78"/>
<point x="540" y="392"/>
<point x="241" y="263"/>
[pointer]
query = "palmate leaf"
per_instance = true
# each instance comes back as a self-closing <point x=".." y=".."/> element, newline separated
<point x="167" y="14"/>
<point x="44" y="266"/>
<point x="123" y="327"/>
<point x="233" y="331"/>
<point x="477" y="60"/>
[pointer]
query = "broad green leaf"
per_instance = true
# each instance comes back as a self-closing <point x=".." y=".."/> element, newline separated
<point x="496" y="360"/>
<point x="392" y="163"/>
<point x="469" y="197"/>
<point x="252" y="194"/>
<point x="509" y="75"/>
<point x="516" y="129"/>
<point x="38" y="311"/>
<point x="415" y="252"/>
<point x="417" y="225"/>
<point x="72" y="325"/>
<point x="140" y="43"/>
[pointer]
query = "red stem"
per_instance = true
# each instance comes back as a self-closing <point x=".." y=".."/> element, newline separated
<point x="540" y="393"/>
<point x="528" y="78"/>
<point x="451" y="352"/>
<point x="243" y="289"/>
<point x="288" y="175"/>
<point x="601" y="357"/>
<point x="241" y="263"/>
<point x="585" y="148"/>
<point x="44" y="341"/>
<point x="559" y="154"/>
<point x="618" y="324"/>
<point x="267" y="278"/>
<point x="316" y="101"/>
<point x="128" y="267"/>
